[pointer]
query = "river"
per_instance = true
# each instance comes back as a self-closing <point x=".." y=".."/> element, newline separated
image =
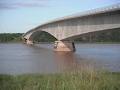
<point x="17" y="58"/>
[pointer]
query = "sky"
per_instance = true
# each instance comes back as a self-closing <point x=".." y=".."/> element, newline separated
<point x="19" y="16"/>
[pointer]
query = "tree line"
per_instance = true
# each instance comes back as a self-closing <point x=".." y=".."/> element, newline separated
<point x="10" y="37"/>
<point x="101" y="36"/>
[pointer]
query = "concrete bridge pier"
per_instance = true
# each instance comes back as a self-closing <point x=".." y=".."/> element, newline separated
<point x="29" y="42"/>
<point x="65" y="46"/>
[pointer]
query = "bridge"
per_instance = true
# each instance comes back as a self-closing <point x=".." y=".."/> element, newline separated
<point x="67" y="28"/>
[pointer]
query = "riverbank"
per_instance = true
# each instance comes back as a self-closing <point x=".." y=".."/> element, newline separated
<point x="108" y="36"/>
<point x="77" y="80"/>
<point x="17" y="42"/>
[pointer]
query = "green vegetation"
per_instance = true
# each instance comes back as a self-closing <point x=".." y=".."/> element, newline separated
<point x="44" y="37"/>
<point x="10" y="37"/>
<point x="89" y="80"/>
<point x="16" y="37"/>
<point x="101" y="36"/>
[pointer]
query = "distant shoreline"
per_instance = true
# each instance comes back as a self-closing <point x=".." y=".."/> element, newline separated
<point x="53" y="42"/>
<point x="106" y="37"/>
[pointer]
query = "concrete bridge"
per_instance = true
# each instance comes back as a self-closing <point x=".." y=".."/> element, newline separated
<point x="67" y="28"/>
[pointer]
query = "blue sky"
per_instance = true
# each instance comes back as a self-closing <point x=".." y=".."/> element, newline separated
<point x="19" y="16"/>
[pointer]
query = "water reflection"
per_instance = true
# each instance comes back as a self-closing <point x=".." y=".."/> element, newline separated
<point x="65" y="60"/>
<point x="68" y="61"/>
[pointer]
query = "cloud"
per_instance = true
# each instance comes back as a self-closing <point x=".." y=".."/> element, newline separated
<point x="6" y="4"/>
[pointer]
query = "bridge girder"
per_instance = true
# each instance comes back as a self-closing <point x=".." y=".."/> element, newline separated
<point x="65" y="28"/>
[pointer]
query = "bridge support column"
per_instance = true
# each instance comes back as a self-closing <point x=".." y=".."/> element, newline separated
<point x="29" y="42"/>
<point x="64" y="46"/>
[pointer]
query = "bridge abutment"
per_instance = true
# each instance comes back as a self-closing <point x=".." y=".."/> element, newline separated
<point x="65" y="46"/>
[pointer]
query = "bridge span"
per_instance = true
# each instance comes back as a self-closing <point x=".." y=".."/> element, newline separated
<point x="66" y="28"/>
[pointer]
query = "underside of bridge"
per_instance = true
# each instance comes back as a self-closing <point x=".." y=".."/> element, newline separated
<point x="59" y="45"/>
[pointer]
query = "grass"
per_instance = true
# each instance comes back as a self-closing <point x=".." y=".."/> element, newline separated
<point x="75" y="80"/>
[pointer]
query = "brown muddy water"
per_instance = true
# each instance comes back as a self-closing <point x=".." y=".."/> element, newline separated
<point x="20" y="58"/>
